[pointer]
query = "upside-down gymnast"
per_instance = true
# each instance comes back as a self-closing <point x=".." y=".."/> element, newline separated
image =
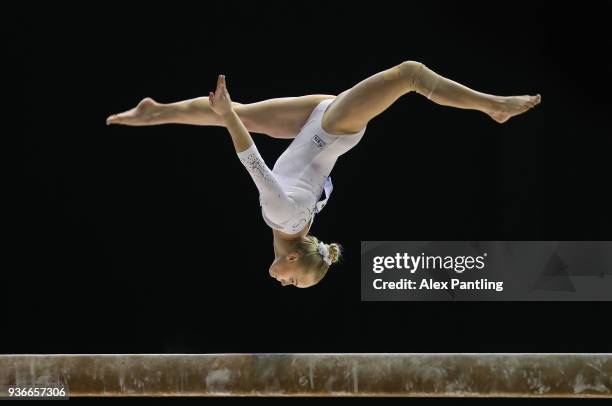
<point x="323" y="127"/>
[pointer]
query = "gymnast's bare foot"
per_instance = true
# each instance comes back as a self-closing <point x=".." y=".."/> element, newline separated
<point x="144" y="114"/>
<point x="512" y="106"/>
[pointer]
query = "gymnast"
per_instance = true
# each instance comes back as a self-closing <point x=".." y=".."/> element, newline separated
<point x="322" y="127"/>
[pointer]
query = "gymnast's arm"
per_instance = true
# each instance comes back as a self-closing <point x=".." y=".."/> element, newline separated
<point x="279" y="207"/>
<point x="221" y="105"/>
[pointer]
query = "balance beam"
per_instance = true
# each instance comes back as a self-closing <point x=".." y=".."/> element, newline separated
<point x="423" y="375"/>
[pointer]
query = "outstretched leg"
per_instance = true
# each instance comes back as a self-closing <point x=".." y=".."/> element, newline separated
<point x="354" y="108"/>
<point x="279" y="118"/>
<point x="149" y="112"/>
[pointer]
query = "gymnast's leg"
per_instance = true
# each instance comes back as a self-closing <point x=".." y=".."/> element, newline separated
<point x="279" y="118"/>
<point x="352" y="109"/>
<point x="149" y="112"/>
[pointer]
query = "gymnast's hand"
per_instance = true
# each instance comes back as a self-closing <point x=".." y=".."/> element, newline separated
<point x="220" y="101"/>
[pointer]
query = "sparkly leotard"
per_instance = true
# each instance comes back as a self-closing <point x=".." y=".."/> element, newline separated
<point x="289" y="194"/>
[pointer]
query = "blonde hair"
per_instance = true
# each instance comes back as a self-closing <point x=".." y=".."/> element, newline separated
<point x="313" y="261"/>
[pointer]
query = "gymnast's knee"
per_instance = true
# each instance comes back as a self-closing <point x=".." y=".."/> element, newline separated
<point x="418" y="77"/>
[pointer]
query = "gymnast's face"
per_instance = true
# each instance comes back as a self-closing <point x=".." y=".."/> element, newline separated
<point x="288" y="271"/>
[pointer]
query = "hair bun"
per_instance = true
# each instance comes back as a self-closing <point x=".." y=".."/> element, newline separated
<point x="335" y="252"/>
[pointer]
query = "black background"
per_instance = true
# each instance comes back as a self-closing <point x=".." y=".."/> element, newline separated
<point x="147" y="240"/>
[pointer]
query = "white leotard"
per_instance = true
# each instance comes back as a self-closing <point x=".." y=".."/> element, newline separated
<point x="289" y="194"/>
